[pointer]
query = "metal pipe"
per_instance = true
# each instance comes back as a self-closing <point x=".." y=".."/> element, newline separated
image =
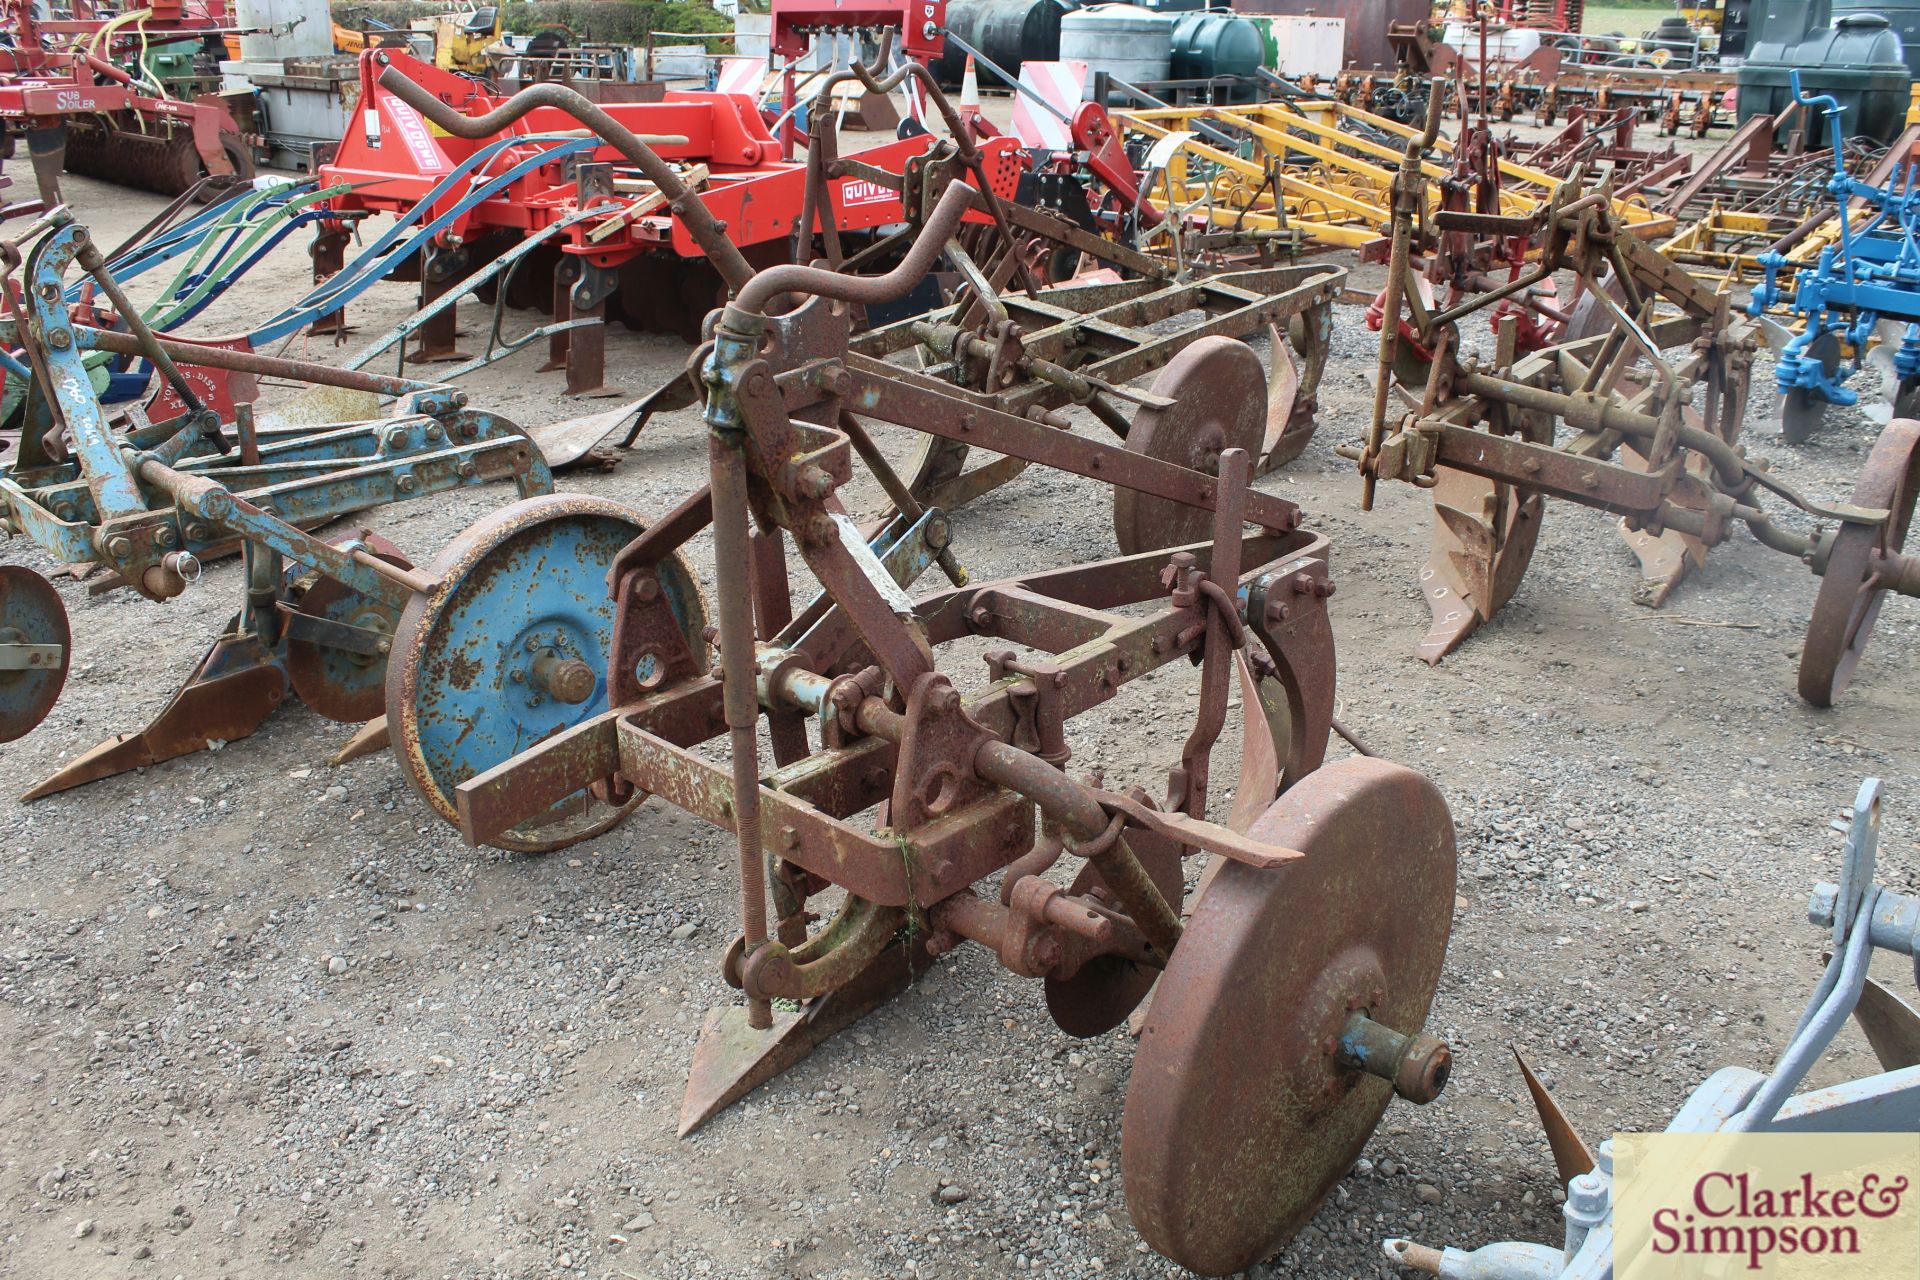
<point x="253" y="362"/>
<point x="1405" y="213"/>
<point x="728" y="465"/>
<point x="763" y="288"/>
<point x="88" y="255"/>
<point x="1590" y="413"/>
<point x="688" y="207"/>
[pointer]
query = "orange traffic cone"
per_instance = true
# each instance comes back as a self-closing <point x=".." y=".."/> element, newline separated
<point x="969" y="88"/>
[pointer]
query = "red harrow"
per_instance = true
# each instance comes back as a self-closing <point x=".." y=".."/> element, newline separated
<point x="76" y="90"/>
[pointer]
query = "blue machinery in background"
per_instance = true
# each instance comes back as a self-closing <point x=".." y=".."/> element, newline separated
<point x="152" y="501"/>
<point x="1861" y="917"/>
<point x="1871" y="276"/>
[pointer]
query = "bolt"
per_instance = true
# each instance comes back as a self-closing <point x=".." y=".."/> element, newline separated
<point x="1586" y="1199"/>
<point x="647" y="590"/>
<point x="517" y="676"/>
<point x="434" y="432"/>
<point x="119" y="546"/>
<point x="396" y="438"/>
<point x="165" y="535"/>
<point x="383" y="646"/>
<point x="60" y="339"/>
<point x="1826" y="901"/>
<point x="569" y="680"/>
<point x="467" y="470"/>
<point x="197" y="533"/>
<point x="406" y="483"/>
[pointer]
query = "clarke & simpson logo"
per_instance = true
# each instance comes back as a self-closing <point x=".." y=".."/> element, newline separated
<point x="1766" y="1205"/>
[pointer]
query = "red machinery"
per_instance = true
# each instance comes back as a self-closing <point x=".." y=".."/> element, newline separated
<point x="918" y="22"/>
<point x="608" y="240"/>
<point x="76" y="90"/>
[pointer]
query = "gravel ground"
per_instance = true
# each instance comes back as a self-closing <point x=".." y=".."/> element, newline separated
<point x="259" y="1015"/>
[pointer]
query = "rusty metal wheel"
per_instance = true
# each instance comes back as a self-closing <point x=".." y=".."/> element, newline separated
<point x="512" y="649"/>
<point x="1219" y="402"/>
<point x="34" y="645"/>
<point x="1239" y="1118"/>
<point x="337" y="644"/>
<point x="1099" y="997"/>
<point x="1851" y="589"/>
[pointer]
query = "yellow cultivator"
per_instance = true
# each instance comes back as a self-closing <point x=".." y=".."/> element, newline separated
<point x="1325" y="171"/>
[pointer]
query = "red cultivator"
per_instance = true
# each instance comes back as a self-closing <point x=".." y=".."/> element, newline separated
<point x="76" y="90"/>
<point x="1288" y="1000"/>
<point x="590" y="235"/>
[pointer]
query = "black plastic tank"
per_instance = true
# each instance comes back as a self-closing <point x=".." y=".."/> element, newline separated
<point x="1216" y="43"/>
<point x="1903" y="14"/>
<point x="1008" y="31"/>
<point x="1859" y="60"/>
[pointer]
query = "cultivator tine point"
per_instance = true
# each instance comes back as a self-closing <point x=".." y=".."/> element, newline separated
<point x="565" y="444"/>
<point x="1892" y="1027"/>
<point x="369" y="739"/>
<point x="1260" y="748"/>
<point x="1570" y="1155"/>
<point x="733" y="1059"/>
<point x="1285" y="436"/>
<point x="235" y="687"/>
<point x="1454" y="581"/>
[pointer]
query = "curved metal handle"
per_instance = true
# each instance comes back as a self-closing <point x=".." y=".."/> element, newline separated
<point x="1833" y="107"/>
<point x="688" y="207"/>
<point x="867" y="290"/>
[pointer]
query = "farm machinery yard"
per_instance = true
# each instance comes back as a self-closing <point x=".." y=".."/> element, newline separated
<point x="1006" y="615"/>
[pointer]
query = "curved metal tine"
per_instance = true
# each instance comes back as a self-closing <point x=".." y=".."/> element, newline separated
<point x="354" y="278"/>
<point x="507" y="261"/>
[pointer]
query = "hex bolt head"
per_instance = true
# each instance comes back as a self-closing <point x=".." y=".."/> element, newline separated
<point x="119" y="546"/>
<point x="1587" y="1197"/>
<point x="165" y="535"/>
<point x="406" y="483"/>
<point x="1826" y="900"/>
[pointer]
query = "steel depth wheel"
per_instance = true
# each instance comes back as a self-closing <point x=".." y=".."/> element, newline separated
<point x="34" y="645"/>
<point x="342" y="673"/>
<point x="1219" y="402"/>
<point x="1239" y="1116"/>
<point x="513" y="648"/>
<point x="1851" y="589"/>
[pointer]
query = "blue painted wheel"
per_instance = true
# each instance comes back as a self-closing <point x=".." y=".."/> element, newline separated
<point x="512" y="649"/>
<point x="33" y="665"/>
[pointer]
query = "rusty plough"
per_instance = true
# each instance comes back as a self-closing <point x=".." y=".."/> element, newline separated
<point x="1276" y="1035"/>
<point x="150" y="501"/>
<point x="1654" y="438"/>
<point x="1861" y="917"/>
